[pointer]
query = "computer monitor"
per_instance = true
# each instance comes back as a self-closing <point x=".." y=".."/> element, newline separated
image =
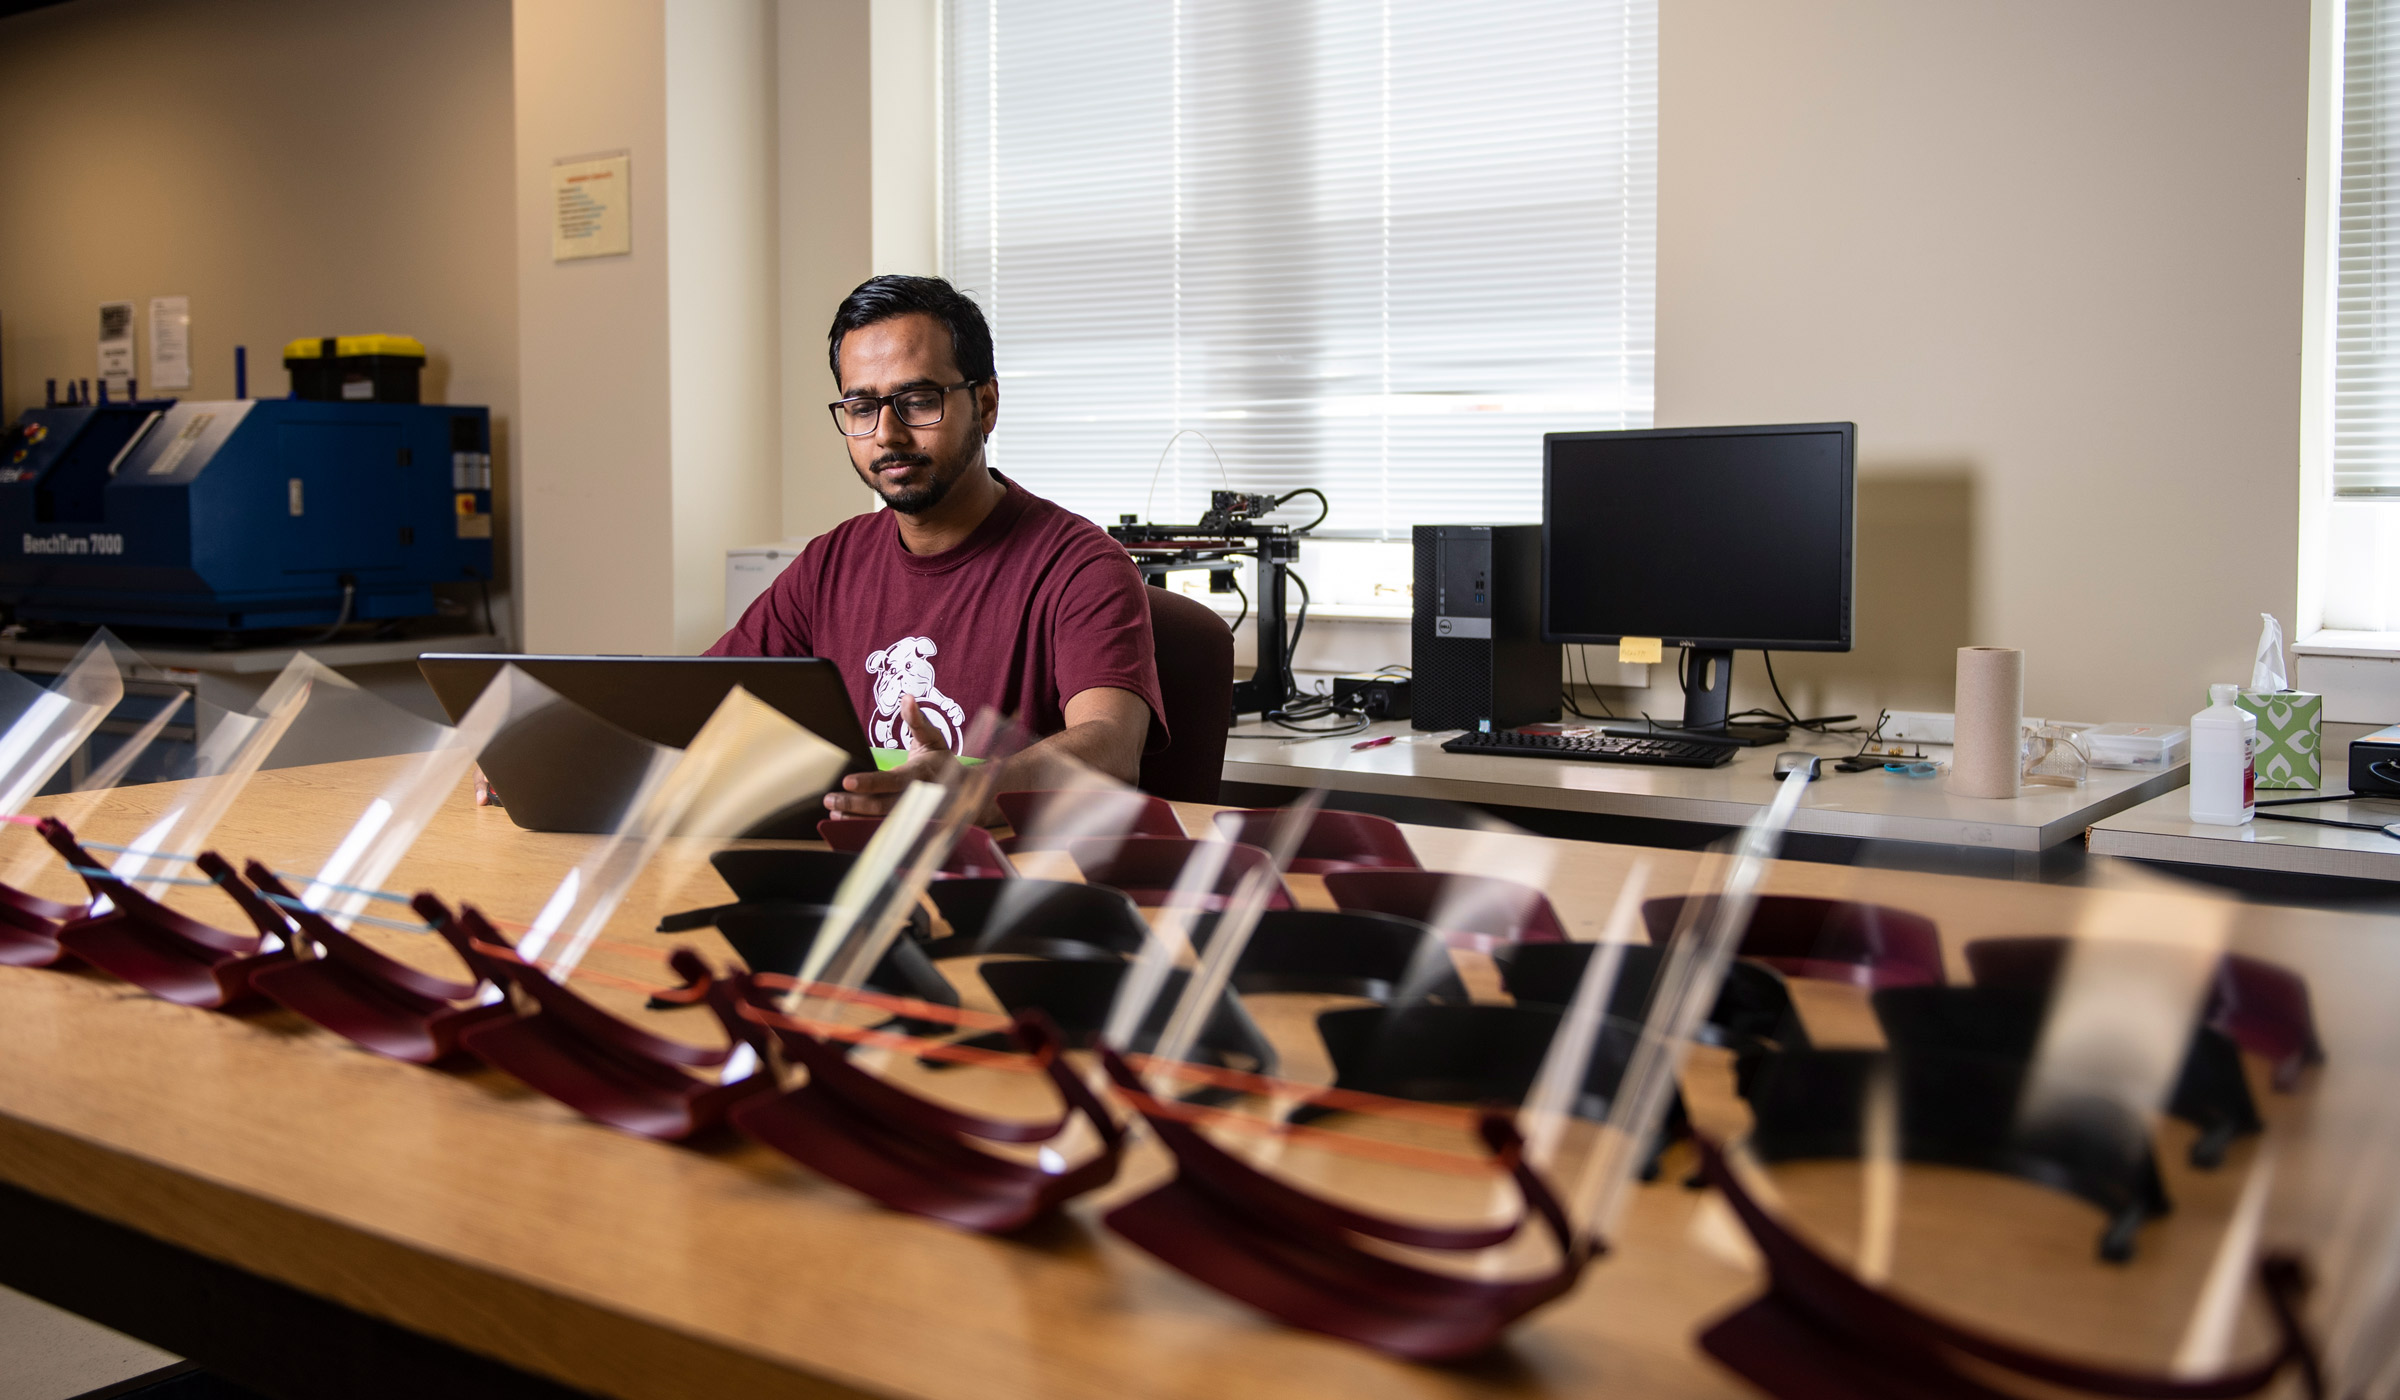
<point x="1711" y="539"/>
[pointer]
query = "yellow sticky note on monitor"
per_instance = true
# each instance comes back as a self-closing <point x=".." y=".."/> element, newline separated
<point x="1638" y="651"/>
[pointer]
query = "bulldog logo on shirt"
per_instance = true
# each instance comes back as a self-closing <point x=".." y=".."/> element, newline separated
<point x="906" y="668"/>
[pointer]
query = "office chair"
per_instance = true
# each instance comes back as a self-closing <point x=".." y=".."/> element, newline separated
<point x="1195" y="684"/>
<point x="1830" y="940"/>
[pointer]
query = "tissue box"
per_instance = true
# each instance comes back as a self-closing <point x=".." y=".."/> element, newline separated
<point x="2291" y="735"/>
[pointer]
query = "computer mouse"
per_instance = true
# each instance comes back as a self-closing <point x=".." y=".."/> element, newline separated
<point x="1792" y="761"/>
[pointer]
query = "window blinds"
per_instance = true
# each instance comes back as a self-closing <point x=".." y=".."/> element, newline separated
<point x="2366" y="387"/>
<point x="1378" y="247"/>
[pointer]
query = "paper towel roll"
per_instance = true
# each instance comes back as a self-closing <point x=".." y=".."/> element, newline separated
<point x="1990" y="704"/>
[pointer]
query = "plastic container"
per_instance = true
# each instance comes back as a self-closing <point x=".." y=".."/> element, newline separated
<point x="2224" y="790"/>
<point x="2152" y="747"/>
<point x="361" y="368"/>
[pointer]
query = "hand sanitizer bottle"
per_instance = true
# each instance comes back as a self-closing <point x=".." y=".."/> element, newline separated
<point x="2224" y="783"/>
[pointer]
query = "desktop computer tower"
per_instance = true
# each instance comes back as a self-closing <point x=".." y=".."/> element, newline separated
<point x="1476" y="636"/>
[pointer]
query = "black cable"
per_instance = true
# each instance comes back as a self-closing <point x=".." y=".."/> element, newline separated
<point x="1859" y="762"/>
<point x="1244" y="615"/>
<point x="1352" y="725"/>
<point x="1567" y="696"/>
<point x="2328" y="821"/>
<point x="1324" y="507"/>
<point x="1319" y="705"/>
<point x="1315" y="706"/>
<point x="1822" y="724"/>
<point x="1299" y="624"/>
<point x="341" y="619"/>
<point x="1788" y="712"/>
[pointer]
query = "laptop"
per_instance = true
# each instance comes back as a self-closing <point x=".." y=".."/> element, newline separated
<point x="568" y="771"/>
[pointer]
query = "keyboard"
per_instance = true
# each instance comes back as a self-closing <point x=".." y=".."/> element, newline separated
<point x="1593" y="748"/>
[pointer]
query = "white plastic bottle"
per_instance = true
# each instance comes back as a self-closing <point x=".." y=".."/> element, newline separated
<point x="2224" y="783"/>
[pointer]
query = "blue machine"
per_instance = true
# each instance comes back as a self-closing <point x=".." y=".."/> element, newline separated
<point x="248" y="514"/>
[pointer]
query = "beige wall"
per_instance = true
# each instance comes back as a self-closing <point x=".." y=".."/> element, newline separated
<point x="906" y="141"/>
<point x="723" y="282"/>
<point x="673" y="396"/>
<point x="2047" y="254"/>
<point x="857" y="97"/>
<point x="826" y="162"/>
<point x="296" y="168"/>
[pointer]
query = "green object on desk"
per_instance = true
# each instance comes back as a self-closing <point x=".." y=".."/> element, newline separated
<point x="2291" y="736"/>
<point x="888" y="759"/>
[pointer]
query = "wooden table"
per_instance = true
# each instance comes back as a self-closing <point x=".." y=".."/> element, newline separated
<point x="466" y="1210"/>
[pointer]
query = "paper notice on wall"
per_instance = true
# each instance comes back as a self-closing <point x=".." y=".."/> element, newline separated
<point x="170" y="342"/>
<point x="590" y="208"/>
<point x="116" y="346"/>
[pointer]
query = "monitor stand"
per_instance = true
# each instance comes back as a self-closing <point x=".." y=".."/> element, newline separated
<point x="1707" y="689"/>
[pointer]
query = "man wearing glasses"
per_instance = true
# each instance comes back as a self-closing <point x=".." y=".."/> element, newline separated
<point x="970" y="592"/>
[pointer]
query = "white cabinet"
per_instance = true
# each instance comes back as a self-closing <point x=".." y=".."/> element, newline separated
<point x="749" y="569"/>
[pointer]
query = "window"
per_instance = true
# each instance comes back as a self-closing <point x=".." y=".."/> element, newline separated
<point x="1377" y="247"/>
<point x="2362" y="459"/>
<point x="2366" y="435"/>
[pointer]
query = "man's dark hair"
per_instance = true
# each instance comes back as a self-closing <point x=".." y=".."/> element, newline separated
<point x="882" y="298"/>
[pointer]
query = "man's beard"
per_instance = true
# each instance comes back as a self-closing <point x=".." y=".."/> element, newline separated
<point x="918" y="499"/>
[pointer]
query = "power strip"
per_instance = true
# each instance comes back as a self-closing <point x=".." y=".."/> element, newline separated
<point x="1919" y="727"/>
<point x="1375" y="696"/>
<point x="1926" y="727"/>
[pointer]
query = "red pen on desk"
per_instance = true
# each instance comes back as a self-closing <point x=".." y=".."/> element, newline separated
<point x="1375" y="743"/>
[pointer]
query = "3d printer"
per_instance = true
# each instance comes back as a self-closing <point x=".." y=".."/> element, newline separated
<point x="1232" y="530"/>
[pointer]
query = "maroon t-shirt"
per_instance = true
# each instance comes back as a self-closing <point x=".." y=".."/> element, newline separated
<point x="1036" y="605"/>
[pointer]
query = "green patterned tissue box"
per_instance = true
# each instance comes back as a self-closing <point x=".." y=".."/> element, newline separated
<point x="2291" y="732"/>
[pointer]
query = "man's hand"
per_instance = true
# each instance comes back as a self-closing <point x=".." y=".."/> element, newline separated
<point x="929" y="761"/>
<point x="1105" y="732"/>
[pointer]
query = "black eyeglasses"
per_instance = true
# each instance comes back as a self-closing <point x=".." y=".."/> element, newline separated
<point x="857" y="415"/>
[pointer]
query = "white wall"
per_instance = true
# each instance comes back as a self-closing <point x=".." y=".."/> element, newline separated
<point x="2048" y="255"/>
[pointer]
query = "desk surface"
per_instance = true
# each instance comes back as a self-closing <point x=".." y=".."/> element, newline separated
<point x="1873" y="805"/>
<point x="2162" y="829"/>
<point x="469" y="1209"/>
